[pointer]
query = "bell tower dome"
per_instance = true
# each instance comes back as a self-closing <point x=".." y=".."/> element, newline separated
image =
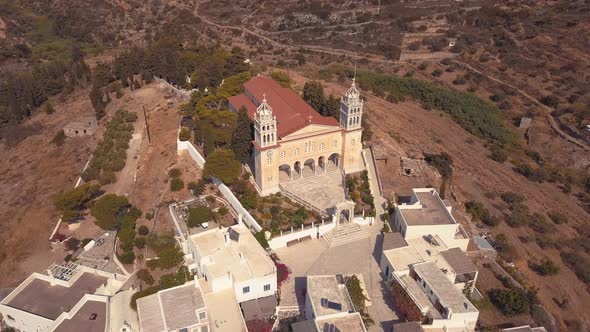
<point x="351" y="108"/>
<point x="265" y="125"/>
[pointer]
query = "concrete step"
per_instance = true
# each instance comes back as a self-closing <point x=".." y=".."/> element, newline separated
<point x="344" y="233"/>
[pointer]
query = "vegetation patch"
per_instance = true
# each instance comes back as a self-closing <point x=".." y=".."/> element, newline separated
<point x="353" y="285"/>
<point x="111" y="153"/>
<point x="72" y="203"/>
<point x="360" y="192"/>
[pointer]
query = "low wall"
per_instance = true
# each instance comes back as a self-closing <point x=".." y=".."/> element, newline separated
<point x="225" y="191"/>
<point x="363" y="220"/>
<point x="297" y="233"/>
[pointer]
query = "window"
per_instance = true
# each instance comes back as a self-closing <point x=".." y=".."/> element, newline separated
<point x="269" y="179"/>
<point x="268" y="161"/>
<point x="267" y="287"/>
<point x="306" y="147"/>
<point x="283" y="154"/>
<point x="296" y="151"/>
<point x="353" y="141"/>
<point x="202" y="315"/>
<point x="322" y="146"/>
<point x="246" y="289"/>
<point x="335" y="143"/>
<point x="312" y="145"/>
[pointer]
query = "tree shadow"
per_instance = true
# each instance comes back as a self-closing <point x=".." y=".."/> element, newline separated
<point x="300" y="290"/>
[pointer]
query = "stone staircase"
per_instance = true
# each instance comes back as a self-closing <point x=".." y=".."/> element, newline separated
<point x="344" y="233"/>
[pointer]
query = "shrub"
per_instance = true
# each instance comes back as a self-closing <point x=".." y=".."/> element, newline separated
<point x="423" y="66"/>
<point x="222" y="165"/>
<point x="459" y="80"/>
<point x="174" y="173"/>
<point x="199" y="215"/>
<point x="72" y="244"/>
<point x="261" y="238"/>
<point x="222" y="211"/>
<point x="184" y="134"/>
<point x="145" y="276"/>
<point x="283" y="273"/>
<point x="127" y="257"/>
<point x="437" y="72"/>
<point x="358" y="298"/>
<point x="443" y="162"/>
<point x="176" y="184"/>
<point x="480" y="212"/>
<point x="139" y="242"/>
<point x="512" y="199"/>
<point x="49" y="108"/>
<point x="143" y="230"/>
<point x="196" y="188"/>
<point x="546" y="268"/>
<point x="498" y="154"/>
<point x="510" y="301"/>
<point x="557" y="217"/>
<point x="579" y="264"/>
<point x="59" y="138"/>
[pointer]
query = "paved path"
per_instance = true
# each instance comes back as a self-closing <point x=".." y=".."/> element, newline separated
<point x="315" y="258"/>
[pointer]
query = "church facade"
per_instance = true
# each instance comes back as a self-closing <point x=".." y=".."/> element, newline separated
<point x="292" y="140"/>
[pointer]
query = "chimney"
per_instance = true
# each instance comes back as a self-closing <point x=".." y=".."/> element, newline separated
<point x="242" y="260"/>
<point x="226" y="237"/>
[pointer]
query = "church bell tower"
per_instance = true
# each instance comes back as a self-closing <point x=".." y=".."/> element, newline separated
<point x="351" y="114"/>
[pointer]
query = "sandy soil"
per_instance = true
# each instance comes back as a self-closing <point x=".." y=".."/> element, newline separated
<point x="474" y="176"/>
<point x="34" y="169"/>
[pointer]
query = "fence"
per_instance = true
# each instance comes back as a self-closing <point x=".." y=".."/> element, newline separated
<point x="225" y="191"/>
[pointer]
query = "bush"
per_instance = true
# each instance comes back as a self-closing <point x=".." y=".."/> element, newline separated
<point x="145" y="276"/>
<point x="143" y="230"/>
<point x="405" y="304"/>
<point x="437" y="72"/>
<point x="174" y="173"/>
<point x="512" y="199"/>
<point x="261" y="239"/>
<point x="510" y="301"/>
<point x="139" y="242"/>
<point x="197" y="188"/>
<point x="423" y="66"/>
<point x="557" y="217"/>
<point x="128" y="257"/>
<point x="498" y="154"/>
<point x="579" y="264"/>
<point x="443" y="162"/>
<point x="480" y="212"/>
<point x="176" y="184"/>
<point x="459" y="80"/>
<point x="199" y="215"/>
<point x="49" y="108"/>
<point x="59" y="138"/>
<point x="546" y="268"/>
<point x="184" y="134"/>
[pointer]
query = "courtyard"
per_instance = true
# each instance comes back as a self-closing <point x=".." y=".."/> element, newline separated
<point x="315" y="257"/>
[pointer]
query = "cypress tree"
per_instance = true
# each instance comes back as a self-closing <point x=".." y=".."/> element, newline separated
<point x="242" y="136"/>
<point x="313" y="94"/>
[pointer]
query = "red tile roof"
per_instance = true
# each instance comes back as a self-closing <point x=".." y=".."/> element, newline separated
<point x="292" y="112"/>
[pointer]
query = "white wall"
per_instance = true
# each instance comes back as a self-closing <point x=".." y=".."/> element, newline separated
<point x="281" y="241"/>
<point x="459" y="322"/>
<point x="23" y="320"/>
<point x="256" y="288"/>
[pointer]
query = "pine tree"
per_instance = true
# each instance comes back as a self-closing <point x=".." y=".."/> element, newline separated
<point x="331" y="107"/>
<point x="242" y="136"/>
<point x="97" y="103"/>
<point x="313" y="94"/>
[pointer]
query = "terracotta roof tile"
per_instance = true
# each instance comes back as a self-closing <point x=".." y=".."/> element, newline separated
<point x="292" y="112"/>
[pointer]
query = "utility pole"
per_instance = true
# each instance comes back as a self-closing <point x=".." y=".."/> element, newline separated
<point x="147" y="125"/>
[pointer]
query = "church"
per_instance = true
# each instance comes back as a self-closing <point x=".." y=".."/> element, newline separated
<point x="292" y="140"/>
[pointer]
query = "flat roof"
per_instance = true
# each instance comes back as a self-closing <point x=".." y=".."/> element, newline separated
<point x="224" y="312"/>
<point x="172" y="308"/>
<point x="39" y="297"/>
<point x="400" y="259"/>
<point x="447" y="294"/>
<point x="458" y="261"/>
<point x="244" y="259"/>
<point x="327" y="288"/>
<point x="393" y="241"/>
<point x="525" y="328"/>
<point x="349" y="323"/>
<point x="304" y="326"/>
<point x="432" y="212"/>
<point x="81" y="320"/>
<point x="419" y="296"/>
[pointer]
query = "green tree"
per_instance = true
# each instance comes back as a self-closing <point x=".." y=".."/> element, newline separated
<point x="73" y="202"/>
<point x="331" y="107"/>
<point x="222" y="165"/>
<point x="313" y="94"/>
<point x="510" y="301"/>
<point x="242" y="136"/>
<point x="108" y="209"/>
<point x="198" y="215"/>
<point x="49" y="108"/>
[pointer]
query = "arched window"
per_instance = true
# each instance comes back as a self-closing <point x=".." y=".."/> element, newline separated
<point x="321" y="146"/>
